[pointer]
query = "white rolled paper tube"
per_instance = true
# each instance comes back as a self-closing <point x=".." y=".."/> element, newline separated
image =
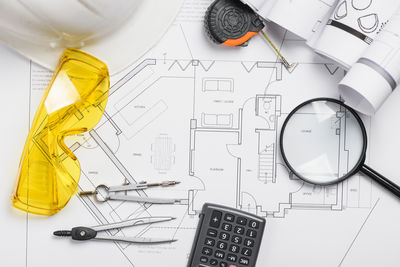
<point x="376" y="74"/>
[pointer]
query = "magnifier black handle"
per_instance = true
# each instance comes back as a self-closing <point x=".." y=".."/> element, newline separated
<point x="383" y="181"/>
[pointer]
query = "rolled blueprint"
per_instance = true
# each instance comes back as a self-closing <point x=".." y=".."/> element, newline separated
<point x="376" y="74"/>
<point x="351" y="29"/>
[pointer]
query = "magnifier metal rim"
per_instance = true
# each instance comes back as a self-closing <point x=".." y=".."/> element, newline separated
<point x="361" y="160"/>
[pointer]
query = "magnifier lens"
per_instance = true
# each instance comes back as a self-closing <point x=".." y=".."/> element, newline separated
<point x="323" y="142"/>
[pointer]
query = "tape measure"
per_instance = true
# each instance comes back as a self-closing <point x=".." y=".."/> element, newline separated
<point x="231" y="23"/>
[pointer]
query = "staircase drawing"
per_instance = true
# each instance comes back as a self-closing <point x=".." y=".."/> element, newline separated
<point x="266" y="164"/>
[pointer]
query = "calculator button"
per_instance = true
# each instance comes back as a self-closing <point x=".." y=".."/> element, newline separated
<point x="203" y="259"/>
<point x="213" y="262"/>
<point x="223" y="264"/>
<point x="244" y="261"/>
<point x="236" y="239"/>
<point x="207" y="251"/>
<point x="209" y="242"/>
<point x="241" y="220"/>
<point x="222" y="245"/>
<point x="224" y="236"/>
<point x="212" y="232"/>
<point x="231" y="257"/>
<point x="249" y="243"/>
<point x="251" y="233"/>
<point x="229" y="217"/>
<point x="246" y="252"/>
<point x="219" y="254"/>
<point x="254" y="224"/>
<point x="215" y="218"/>
<point x="234" y="248"/>
<point x="238" y="230"/>
<point x="227" y="227"/>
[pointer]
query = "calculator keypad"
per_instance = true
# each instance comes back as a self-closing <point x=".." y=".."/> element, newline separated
<point x="209" y="242"/>
<point x="236" y="239"/>
<point x="212" y="232"/>
<point x="227" y="238"/>
<point x="224" y="236"/>
<point x="222" y="245"/>
<point x="215" y="218"/>
<point x="239" y="230"/>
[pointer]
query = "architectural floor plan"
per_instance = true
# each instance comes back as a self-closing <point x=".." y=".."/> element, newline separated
<point x="210" y="117"/>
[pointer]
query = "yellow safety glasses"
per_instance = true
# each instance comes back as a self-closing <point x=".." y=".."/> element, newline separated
<point x="73" y="103"/>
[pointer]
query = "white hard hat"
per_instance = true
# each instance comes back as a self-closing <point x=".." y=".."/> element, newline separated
<point x="117" y="32"/>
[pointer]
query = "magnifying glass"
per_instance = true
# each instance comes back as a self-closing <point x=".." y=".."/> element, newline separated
<point x="324" y="142"/>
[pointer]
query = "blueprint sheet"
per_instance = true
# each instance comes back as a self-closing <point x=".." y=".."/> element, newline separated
<point x="209" y="117"/>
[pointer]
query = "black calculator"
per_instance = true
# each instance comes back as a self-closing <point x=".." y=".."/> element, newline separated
<point x="226" y="237"/>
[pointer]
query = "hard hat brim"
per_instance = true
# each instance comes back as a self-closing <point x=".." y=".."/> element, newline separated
<point x="118" y="49"/>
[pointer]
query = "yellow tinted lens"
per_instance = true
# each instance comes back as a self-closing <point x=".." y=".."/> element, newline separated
<point x="73" y="103"/>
